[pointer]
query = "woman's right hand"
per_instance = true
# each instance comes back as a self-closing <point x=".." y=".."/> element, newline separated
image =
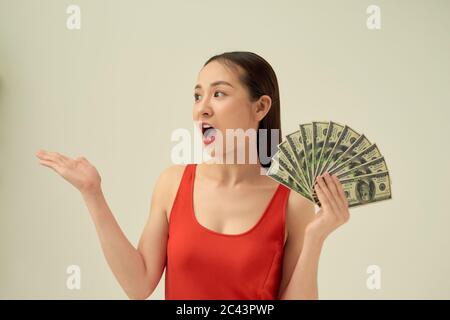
<point x="79" y="172"/>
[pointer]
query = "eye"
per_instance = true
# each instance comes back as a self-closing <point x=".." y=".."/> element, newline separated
<point x="196" y="97"/>
<point x="219" y="92"/>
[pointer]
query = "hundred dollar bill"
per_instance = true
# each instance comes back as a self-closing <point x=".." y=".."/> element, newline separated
<point x="295" y="142"/>
<point x="366" y="155"/>
<point x="345" y="141"/>
<point x="333" y="133"/>
<point x="289" y="153"/>
<point x="360" y="144"/>
<point x="373" y="166"/>
<point x="280" y="175"/>
<point x="367" y="188"/>
<point x="320" y="129"/>
<point x="306" y="136"/>
<point x="284" y="162"/>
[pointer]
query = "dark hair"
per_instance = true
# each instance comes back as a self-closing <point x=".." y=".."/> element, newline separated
<point x="260" y="79"/>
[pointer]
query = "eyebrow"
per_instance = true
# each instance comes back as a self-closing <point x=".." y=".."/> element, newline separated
<point x="216" y="83"/>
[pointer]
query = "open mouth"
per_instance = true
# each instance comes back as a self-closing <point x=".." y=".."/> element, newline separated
<point x="208" y="132"/>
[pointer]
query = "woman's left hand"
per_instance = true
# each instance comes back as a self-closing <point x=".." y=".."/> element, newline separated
<point x="334" y="210"/>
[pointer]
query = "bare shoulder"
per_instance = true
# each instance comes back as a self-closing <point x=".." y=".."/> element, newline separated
<point x="172" y="172"/>
<point x="299" y="212"/>
<point x="297" y="201"/>
<point x="268" y="183"/>
<point x="167" y="185"/>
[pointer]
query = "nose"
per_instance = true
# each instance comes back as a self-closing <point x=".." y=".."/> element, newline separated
<point x="204" y="110"/>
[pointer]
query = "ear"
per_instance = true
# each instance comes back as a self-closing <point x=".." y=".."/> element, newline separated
<point x="262" y="107"/>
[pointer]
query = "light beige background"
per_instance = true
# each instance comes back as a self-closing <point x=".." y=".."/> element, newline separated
<point x="116" y="89"/>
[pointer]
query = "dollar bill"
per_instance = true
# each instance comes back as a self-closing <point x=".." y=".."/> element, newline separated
<point x="284" y="162"/>
<point x="367" y="188"/>
<point x="320" y="129"/>
<point x="333" y="133"/>
<point x="306" y="136"/>
<point x="322" y="146"/>
<point x="360" y="144"/>
<point x="345" y="141"/>
<point x="295" y="142"/>
<point x="295" y="161"/>
<point x="280" y="175"/>
<point x="366" y="155"/>
<point x="373" y="166"/>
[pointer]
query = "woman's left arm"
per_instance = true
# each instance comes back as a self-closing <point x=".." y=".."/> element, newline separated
<point x="332" y="214"/>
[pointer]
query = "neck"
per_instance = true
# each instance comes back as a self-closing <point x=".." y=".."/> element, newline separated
<point x="232" y="174"/>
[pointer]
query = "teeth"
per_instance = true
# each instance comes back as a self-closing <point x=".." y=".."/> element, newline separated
<point x="206" y="126"/>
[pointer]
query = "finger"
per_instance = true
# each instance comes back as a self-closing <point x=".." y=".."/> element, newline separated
<point x="342" y="213"/>
<point x="58" y="155"/>
<point x="42" y="154"/>
<point x="340" y="190"/>
<point x="333" y="190"/>
<point x="50" y="164"/>
<point x="331" y="199"/>
<point x="346" y="213"/>
<point x="64" y="157"/>
<point x="326" y="192"/>
<point x="47" y="163"/>
<point x="58" y="158"/>
<point x="322" y="198"/>
<point x="49" y="155"/>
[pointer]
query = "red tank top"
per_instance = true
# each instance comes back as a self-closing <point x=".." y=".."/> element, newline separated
<point x="205" y="264"/>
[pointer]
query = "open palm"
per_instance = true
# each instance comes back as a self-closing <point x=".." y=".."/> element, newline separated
<point x="79" y="172"/>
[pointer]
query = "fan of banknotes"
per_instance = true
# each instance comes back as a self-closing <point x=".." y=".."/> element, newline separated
<point x="322" y="146"/>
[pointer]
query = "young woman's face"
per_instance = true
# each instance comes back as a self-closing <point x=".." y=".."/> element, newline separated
<point x="221" y="101"/>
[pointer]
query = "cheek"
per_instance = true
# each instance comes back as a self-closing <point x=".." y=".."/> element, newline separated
<point x="234" y="114"/>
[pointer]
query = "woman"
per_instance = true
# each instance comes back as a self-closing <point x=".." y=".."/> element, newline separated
<point x="222" y="231"/>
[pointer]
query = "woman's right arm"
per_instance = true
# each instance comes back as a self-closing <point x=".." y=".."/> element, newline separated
<point x="138" y="271"/>
<point x="126" y="263"/>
